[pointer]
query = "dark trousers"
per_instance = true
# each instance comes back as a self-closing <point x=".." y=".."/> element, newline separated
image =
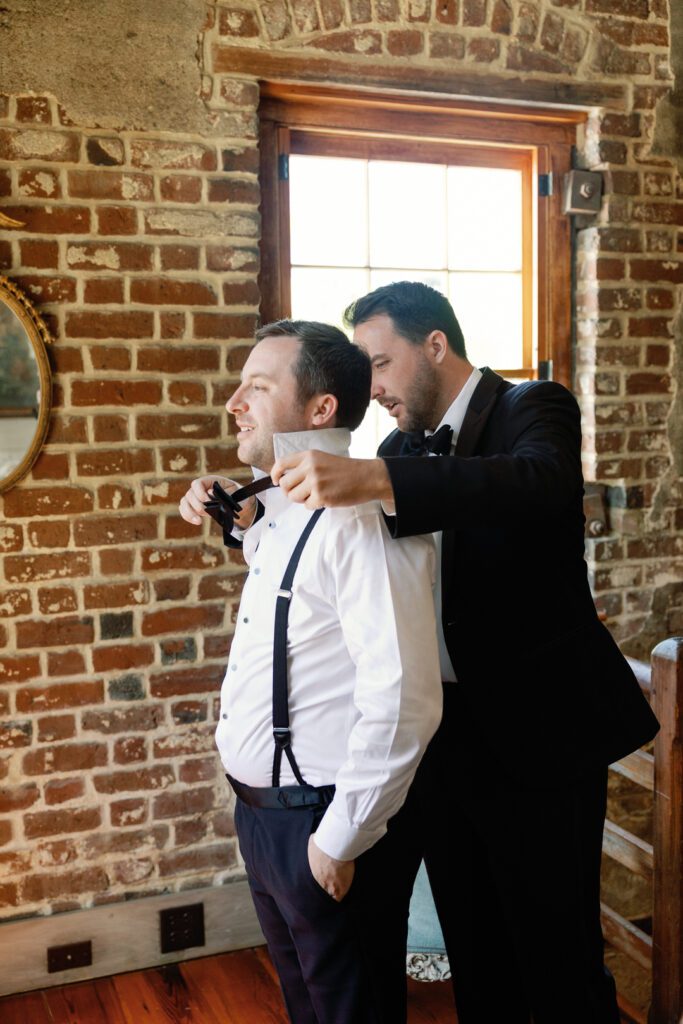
<point x="515" y="874"/>
<point x="338" y="962"/>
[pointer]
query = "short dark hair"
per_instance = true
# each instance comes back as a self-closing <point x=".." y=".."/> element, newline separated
<point x="415" y="310"/>
<point x="328" y="363"/>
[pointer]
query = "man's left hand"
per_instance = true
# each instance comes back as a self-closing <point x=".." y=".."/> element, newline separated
<point x="316" y="479"/>
<point x="334" y="876"/>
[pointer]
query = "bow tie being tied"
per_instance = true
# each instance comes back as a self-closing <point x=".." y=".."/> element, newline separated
<point x="438" y="443"/>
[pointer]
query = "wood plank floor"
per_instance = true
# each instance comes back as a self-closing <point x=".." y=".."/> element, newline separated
<point x="232" y="988"/>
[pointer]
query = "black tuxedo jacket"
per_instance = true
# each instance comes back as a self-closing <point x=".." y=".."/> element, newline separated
<point x="540" y="678"/>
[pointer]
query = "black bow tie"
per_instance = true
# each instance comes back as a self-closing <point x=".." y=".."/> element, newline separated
<point x="224" y="507"/>
<point x="438" y="443"/>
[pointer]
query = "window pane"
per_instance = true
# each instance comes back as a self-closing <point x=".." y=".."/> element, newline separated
<point x="437" y="279"/>
<point x="484" y="218"/>
<point x="489" y="309"/>
<point x="407" y="214"/>
<point x="328" y="211"/>
<point x="324" y="294"/>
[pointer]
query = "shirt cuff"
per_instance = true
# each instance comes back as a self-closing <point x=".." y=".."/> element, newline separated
<point x="342" y="841"/>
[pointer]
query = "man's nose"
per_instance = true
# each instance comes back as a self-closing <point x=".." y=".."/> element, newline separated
<point x="376" y="389"/>
<point x="236" y="402"/>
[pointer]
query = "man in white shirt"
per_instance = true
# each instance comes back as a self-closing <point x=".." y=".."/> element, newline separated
<point x="329" y="852"/>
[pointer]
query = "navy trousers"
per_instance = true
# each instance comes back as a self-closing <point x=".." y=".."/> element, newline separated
<point x="338" y="962"/>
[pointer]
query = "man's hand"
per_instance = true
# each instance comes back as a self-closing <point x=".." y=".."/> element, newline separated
<point x="317" y="479"/>
<point x="191" y="505"/>
<point x="334" y="876"/>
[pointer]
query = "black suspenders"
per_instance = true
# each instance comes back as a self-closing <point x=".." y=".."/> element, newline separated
<point x="281" y="733"/>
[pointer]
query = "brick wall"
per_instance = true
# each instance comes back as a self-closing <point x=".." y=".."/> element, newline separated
<point x="140" y="249"/>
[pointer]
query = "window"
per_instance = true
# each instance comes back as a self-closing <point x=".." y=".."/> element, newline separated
<point x="362" y="190"/>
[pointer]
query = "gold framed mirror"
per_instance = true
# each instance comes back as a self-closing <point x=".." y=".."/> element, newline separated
<point x="25" y="384"/>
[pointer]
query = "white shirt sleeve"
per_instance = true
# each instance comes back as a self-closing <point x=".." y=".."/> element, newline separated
<point x="383" y="591"/>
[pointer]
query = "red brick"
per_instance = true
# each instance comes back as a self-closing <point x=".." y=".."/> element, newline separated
<point x="484" y="50"/>
<point x="224" y="258"/>
<point x="104" y="289"/>
<point x="65" y="663"/>
<point x="115" y="324"/>
<point x="15" y="734"/>
<point x="172" y="325"/>
<point x="116" y="595"/>
<point x="35" y="888"/>
<point x="223" y="824"/>
<point x="179" y="257"/>
<point x="366" y="42"/>
<point x="51" y="220"/>
<point x="133" y="719"/>
<point x="127" y="812"/>
<point x="176" y="528"/>
<point x="181" y="188"/>
<point x="648" y="383"/>
<point x="32" y="568"/>
<point x="69" y="757"/>
<point x="116" y="392"/>
<point x="188" y="801"/>
<point x="474" y="13"/>
<point x="658" y="355"/>
<point x="613" y="152"/>
<point x="657" y="270"/>
<point x="234" y="190"/>
<point x="205" y="859"/>
<point x="67" y="430"/>
<point x="19" y="669"/>
<point x="628" y="8"/>
<point x="235" y="22"/>
<point x="58" y="791"/>
<point x="221" y="587"/>
<point x="55" y="632"/>
<point x="51" y="534"/>
<point x="658" y="213"/>
<point x="177" y="425"/>
<point x="178" y="155"/>
<point x="180" y="460"/>
<point x="179" y="682"/>
<point x="185" y="393"/>
<point x="15" y="602"/>
<point x="35" y="109"/>
<point x="169" y="291"/>
<point x="5" y="837"/>
<point x="200" y="740"/>
<point x="501" y="18"/>
<point x="53" y="600"/>
<point x="18" y="798"/>
<point x="115" y="496"/>
<point x="178" y="359"/>
<point x="620" y="240"/>
<point x="47" y="501"/>
<point x="110" y="428"/>
<point x="117" y="220"/>
<point x="241" y="293"/>
<point x="611" y="299"/>
<point x="56" y="727"/>
<point x="11" y="538"/>
<point x="101" y="184"/>
<point x="223" y="325"/>
<point x="22" y="145"/>
<point x="172" y="589"/>
<point x="117" y="562"/>
<point x="649" y="327"/>
<point x="520" y="58"/>
<point x="47" y="288"/>
<point x="405" y="42"/>
<point x="202" y="769"/>
<point x="181" y="620"/>
<point x="38" y="253"/>
<point x="115" y="462"/>
<point x="122" y="656"/>
<point x="195" y="556"/>
<point x="39" y="183"/>
<point x="190" y="831"/>
<point x="130" y="749"/>
<point x="105" y="530"/>
<point x="61" y="695"/>
<point x="157" y="777"/>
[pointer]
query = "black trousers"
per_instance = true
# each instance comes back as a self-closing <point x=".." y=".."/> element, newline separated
<point x="338" y="962"/>
<point x="515" y="874"/>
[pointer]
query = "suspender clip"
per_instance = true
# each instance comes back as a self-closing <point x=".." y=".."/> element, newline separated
<point x="282" y="737"/>
<point x="285" y="593"/>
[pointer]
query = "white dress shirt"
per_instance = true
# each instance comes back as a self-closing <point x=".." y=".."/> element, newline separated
<point x="364" y="684"/>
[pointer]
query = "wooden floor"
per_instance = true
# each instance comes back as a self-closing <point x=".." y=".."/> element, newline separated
<point x="232" y="988"/>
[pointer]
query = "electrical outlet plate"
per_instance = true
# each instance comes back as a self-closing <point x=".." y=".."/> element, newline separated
<point x="65" y="958"/>
<point x="181" y="927"/>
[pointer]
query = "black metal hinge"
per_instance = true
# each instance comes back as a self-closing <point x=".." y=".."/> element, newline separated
<point x="283" y="167"/>
<point x="545" y="185"/>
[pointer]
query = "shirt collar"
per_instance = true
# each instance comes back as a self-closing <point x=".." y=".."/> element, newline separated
<point x="333" y="440"/>
<point x="455" y="413"/>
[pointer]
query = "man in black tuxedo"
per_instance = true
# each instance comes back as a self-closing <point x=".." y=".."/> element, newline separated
<point x="538" y="698"/>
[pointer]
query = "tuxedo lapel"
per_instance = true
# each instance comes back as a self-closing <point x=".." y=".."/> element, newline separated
<point x="478" y="411"/>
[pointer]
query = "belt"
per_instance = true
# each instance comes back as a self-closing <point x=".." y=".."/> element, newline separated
<point x="279" y="797"/>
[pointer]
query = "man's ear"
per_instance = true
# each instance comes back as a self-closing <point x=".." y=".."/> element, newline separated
<point x="436" y="345"/>
<point x="323" y="411"/>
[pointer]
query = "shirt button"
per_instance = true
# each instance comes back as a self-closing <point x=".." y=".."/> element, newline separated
<point x="245" y="619"/>
<point x="224" y="715"/>
<point x="271" y="525"/>
<point x="256" y="572"/>
<point x="233" y="668"/>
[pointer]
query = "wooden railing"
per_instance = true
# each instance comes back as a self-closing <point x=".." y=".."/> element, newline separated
<point x="661" y="862"/>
